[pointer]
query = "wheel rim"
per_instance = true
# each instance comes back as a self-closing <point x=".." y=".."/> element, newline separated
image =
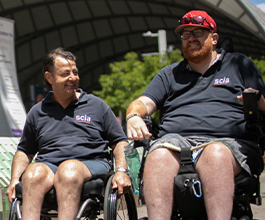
<point x="122" y="208"/>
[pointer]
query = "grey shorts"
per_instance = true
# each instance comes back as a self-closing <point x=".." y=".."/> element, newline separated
<point x="96" y="167"/>
<point x="247" y="153"/>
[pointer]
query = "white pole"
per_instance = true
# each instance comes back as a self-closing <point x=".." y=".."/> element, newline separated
<point x="162" y="41"/>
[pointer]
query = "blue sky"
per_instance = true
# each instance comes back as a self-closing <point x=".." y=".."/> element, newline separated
<point x="260" y="3"/>
<point x="255" y="2"/>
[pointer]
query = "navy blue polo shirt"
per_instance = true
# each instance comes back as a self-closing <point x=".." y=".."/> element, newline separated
<point x="206" y="104"/>
<point x="83" y="130"/>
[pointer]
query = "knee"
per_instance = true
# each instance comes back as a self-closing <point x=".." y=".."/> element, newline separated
<point x="217" y="153"/>
<point x="37" y="173"/>
<point x="69" y="172"/>
<point x="163" y="160"/>
<point x="216" y="159"/>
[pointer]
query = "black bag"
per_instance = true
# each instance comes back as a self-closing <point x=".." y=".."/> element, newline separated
<point x="188" y="190"/>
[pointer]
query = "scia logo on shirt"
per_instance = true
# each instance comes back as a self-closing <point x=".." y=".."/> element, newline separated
<point x="221" y="81"/>
<point x="82" y="118"/>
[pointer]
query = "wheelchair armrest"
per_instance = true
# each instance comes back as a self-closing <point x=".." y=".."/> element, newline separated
<point x="250" y="104"/>
<point x="253" y="116"/>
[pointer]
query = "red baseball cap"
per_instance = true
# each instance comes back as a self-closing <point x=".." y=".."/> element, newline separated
<point x="196" y="18"/>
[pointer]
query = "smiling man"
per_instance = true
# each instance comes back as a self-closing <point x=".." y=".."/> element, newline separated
<point x="200" y="102"/>
<point x="71" y="132"/>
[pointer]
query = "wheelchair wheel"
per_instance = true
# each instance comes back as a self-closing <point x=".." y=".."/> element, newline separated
<point x="13" y="215"/>
<point x="118" y="208"/>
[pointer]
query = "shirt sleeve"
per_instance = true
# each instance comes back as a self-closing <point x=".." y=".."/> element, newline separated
<point x="28" y="142"/>
<point x="251" y="76"/>
<point x="113" y="131"/>
<point x="158" y="89"/>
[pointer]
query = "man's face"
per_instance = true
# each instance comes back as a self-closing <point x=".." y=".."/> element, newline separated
<point x="196" y="49"/>
<point x="64" y="78"/>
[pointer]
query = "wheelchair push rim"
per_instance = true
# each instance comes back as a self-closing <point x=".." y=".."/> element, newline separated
<point x="119" y="208"/>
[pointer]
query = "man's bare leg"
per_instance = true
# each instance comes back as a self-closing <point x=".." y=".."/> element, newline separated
<point x="68" y="182"/>
<point x="36" y="181"/>
<point x="161" y="167"/>
<point x="217" y="168"/>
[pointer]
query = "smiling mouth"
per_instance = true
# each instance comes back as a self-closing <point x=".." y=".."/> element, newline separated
<point x="193" y="45"/>
<point x="70" y="86"/>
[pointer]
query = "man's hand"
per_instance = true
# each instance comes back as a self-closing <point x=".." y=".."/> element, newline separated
<point x="19" y="164"/>
<point x="122" y="182"/>
<point x="10" y="192"/>
<point x="137" y="129"/>
<point x="261" y="101"/>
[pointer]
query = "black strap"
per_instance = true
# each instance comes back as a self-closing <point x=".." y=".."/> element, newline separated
<point x="186" y="161"/>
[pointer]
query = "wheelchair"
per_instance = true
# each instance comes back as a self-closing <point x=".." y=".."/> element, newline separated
<point x="98" y="201"/>
<point x="247" y="188"/>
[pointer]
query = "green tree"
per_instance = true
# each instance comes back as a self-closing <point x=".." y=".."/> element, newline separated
<point x="129" y="78"/>
<point x="261" y="66"/>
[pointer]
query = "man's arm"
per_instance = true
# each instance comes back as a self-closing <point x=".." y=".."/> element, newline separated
<point x="136" y="127"/>
<point x="19" y="164"/>
<point x="121" y="179"/>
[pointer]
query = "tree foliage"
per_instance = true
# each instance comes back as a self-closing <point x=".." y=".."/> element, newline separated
<point x="261" y="66"/>
<point x="129" y="78"/>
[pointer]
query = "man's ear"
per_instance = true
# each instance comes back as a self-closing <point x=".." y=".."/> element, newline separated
<point x="215" y="38"/>
<point x="48" y="77"/>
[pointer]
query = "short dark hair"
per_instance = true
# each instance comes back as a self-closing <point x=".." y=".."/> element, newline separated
<point x="49" y="59"/>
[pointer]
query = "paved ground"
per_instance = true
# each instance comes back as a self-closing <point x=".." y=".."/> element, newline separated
<point x="258" y="211"/>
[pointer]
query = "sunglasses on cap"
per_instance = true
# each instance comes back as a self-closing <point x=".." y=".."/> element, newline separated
<point x="194" y="20"/>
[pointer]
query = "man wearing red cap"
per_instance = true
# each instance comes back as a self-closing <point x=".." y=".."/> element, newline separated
<point x="200" y="102"/>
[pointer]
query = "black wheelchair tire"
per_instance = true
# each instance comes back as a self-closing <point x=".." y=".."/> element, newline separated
<point x="112" y="204"/>
<point x="13" y="210"/>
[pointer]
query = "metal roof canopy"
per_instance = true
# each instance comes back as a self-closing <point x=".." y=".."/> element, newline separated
<point x="102" y="31"/>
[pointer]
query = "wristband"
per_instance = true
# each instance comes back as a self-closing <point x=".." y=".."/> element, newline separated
<point x="121" y="170"/>
<point x="258" y="95"/>
<point x="132" y="115"/>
